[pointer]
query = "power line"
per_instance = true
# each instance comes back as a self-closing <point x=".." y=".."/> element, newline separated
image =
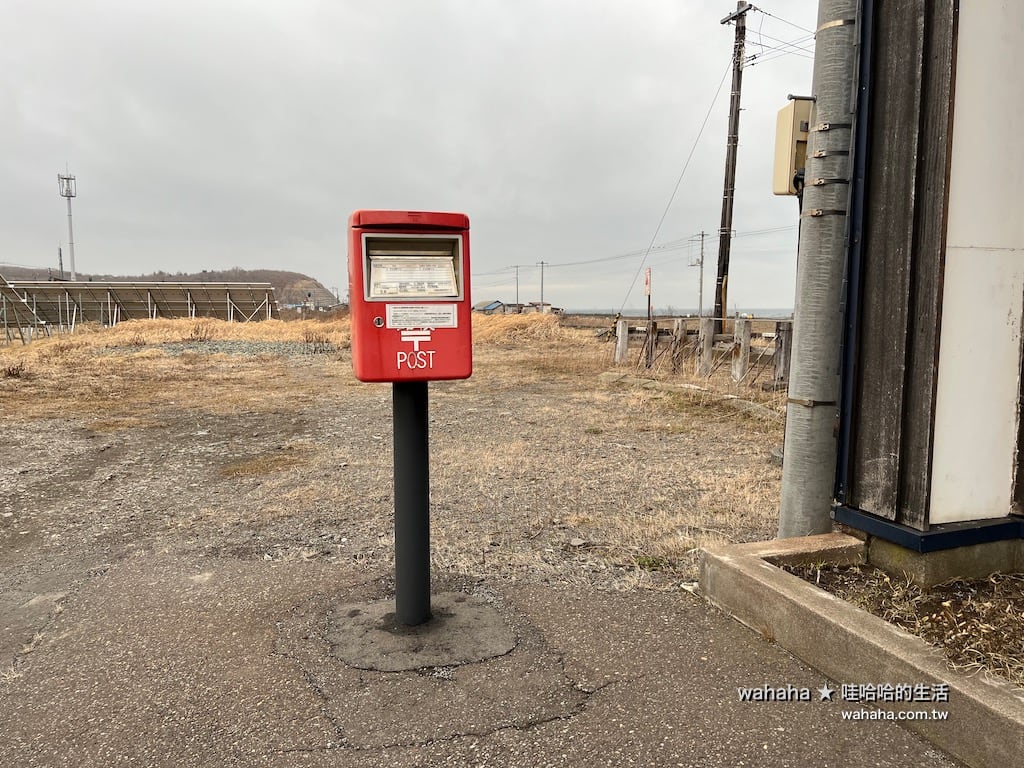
<point x="769" y="50"/>
<point x="793" y="47"/>
<point x="501" y="271"/>
<point x="771" y="230"/>
<point x="798" y="43"/>
<point x="784" y="21"/>
<point x="668" y="247"/>
<point x="755" y="59"/>
<point x="617" y="257"/>
<point x="679" y="181"/>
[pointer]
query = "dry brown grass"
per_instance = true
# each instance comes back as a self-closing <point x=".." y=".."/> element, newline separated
<point x="139" y="333"/>
<point x="287" y="457"/>
<point x="513" y="329"/>
<point x="533" y="347"/>
<point x="122" y="390"/>
<point x="976" y="623"/>
<point x="545" y="470"/>
<point x="719" y="381"/>
<point x="497" y="330"/>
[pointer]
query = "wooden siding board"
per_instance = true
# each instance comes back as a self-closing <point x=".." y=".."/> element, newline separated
<point x="887" y="254"/>
<point x="927" y="265"/>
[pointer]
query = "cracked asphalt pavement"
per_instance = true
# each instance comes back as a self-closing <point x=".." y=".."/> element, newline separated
<point x="174" y="659"/>
<point x="169" y="579"/>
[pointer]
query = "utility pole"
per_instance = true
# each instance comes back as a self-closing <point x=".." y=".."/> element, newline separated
<point x="700" y="291"/>
<point x="700" y="279"/>
<point x="68" y="189"/>
<point x="60" y="263"/>
<point x="731" y="146"/>
<point x="541" y="263"/>
<point x="809" y="463"/>
<point x="516" y="268"/>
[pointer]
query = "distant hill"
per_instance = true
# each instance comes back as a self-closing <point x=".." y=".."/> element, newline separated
<point x="289" y="287"/>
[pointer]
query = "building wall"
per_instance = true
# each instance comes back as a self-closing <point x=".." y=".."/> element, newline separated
<point x="900" y="263"/>
<point x="978" y="392"/>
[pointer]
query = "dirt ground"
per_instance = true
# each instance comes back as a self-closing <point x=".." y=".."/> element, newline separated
<point x="196" y="437"/>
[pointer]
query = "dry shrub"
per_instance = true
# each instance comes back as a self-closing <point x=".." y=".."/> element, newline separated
<point x="199" y="332"/>
<point x="683" y="371"/>
<point x="61" y="349"/>
<point x="317" y="341"/>
<point x="511" y="329"/>
<point x="536" y="347"/>
<point x="975" y="622"/>
<point x="13" y="371"/>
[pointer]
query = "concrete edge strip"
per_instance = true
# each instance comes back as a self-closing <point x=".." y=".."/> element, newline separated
<point x="985" y="726"/>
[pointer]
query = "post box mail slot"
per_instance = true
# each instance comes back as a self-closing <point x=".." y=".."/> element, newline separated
<point x="409" y="296"/>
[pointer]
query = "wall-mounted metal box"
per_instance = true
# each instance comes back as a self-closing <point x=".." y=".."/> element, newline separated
<point x="791" y="130"/>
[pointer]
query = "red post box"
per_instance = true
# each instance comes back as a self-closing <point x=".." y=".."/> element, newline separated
<point x="408" y="277"/>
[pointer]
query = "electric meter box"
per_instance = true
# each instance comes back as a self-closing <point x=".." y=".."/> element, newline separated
<point x="791" y="129"/>
<point x="408" y="275"/>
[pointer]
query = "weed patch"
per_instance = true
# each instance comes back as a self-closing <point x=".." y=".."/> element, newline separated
<point x="199" y="333"/>
<point x="14" y="370"/>
<point x="976" y="623"/>
<point x="265" y="463"/>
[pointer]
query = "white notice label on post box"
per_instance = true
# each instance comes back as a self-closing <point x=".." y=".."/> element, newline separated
<point x="422" y="316"/>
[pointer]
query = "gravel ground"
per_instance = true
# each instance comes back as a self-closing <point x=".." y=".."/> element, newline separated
<point x="263" y="450"/>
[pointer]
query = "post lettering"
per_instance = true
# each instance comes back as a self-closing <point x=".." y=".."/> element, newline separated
<point x="415" y="361"/>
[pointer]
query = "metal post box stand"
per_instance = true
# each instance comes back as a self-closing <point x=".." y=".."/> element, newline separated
<point x="412" y="502"/>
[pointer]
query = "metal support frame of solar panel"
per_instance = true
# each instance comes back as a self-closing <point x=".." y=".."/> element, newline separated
<point x="64" y="304"/>
<point x="18" y="315"/>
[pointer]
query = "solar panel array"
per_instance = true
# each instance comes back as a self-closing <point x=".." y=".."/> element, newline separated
<point x="42" y="304"/>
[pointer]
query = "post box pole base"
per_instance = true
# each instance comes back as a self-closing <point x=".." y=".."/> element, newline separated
<point x="412" y="502"/>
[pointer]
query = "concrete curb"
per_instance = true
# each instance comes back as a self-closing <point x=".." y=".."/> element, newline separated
<point x="985" y="726"/>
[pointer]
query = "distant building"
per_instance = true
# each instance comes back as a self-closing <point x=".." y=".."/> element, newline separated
<point x="541" y="307"/>
<point x="494" y="307"/>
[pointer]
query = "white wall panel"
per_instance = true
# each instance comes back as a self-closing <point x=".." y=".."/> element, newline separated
<point x="983" y="293"/>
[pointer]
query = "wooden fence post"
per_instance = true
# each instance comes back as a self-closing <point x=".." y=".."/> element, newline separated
<point x="740" y="349"/>
<point x="783" y="349"/>
<point x="621" y="341"/>
<point x="650" y="344"/>
<point x="678" y="342"/>
<point x="705" y="346"/>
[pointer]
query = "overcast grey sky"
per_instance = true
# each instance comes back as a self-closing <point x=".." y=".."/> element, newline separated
<point x="243" y="133"/>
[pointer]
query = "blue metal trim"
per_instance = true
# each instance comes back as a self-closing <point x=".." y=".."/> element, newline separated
<point x="851" y="301"/>
<point x="936" y="538"/>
